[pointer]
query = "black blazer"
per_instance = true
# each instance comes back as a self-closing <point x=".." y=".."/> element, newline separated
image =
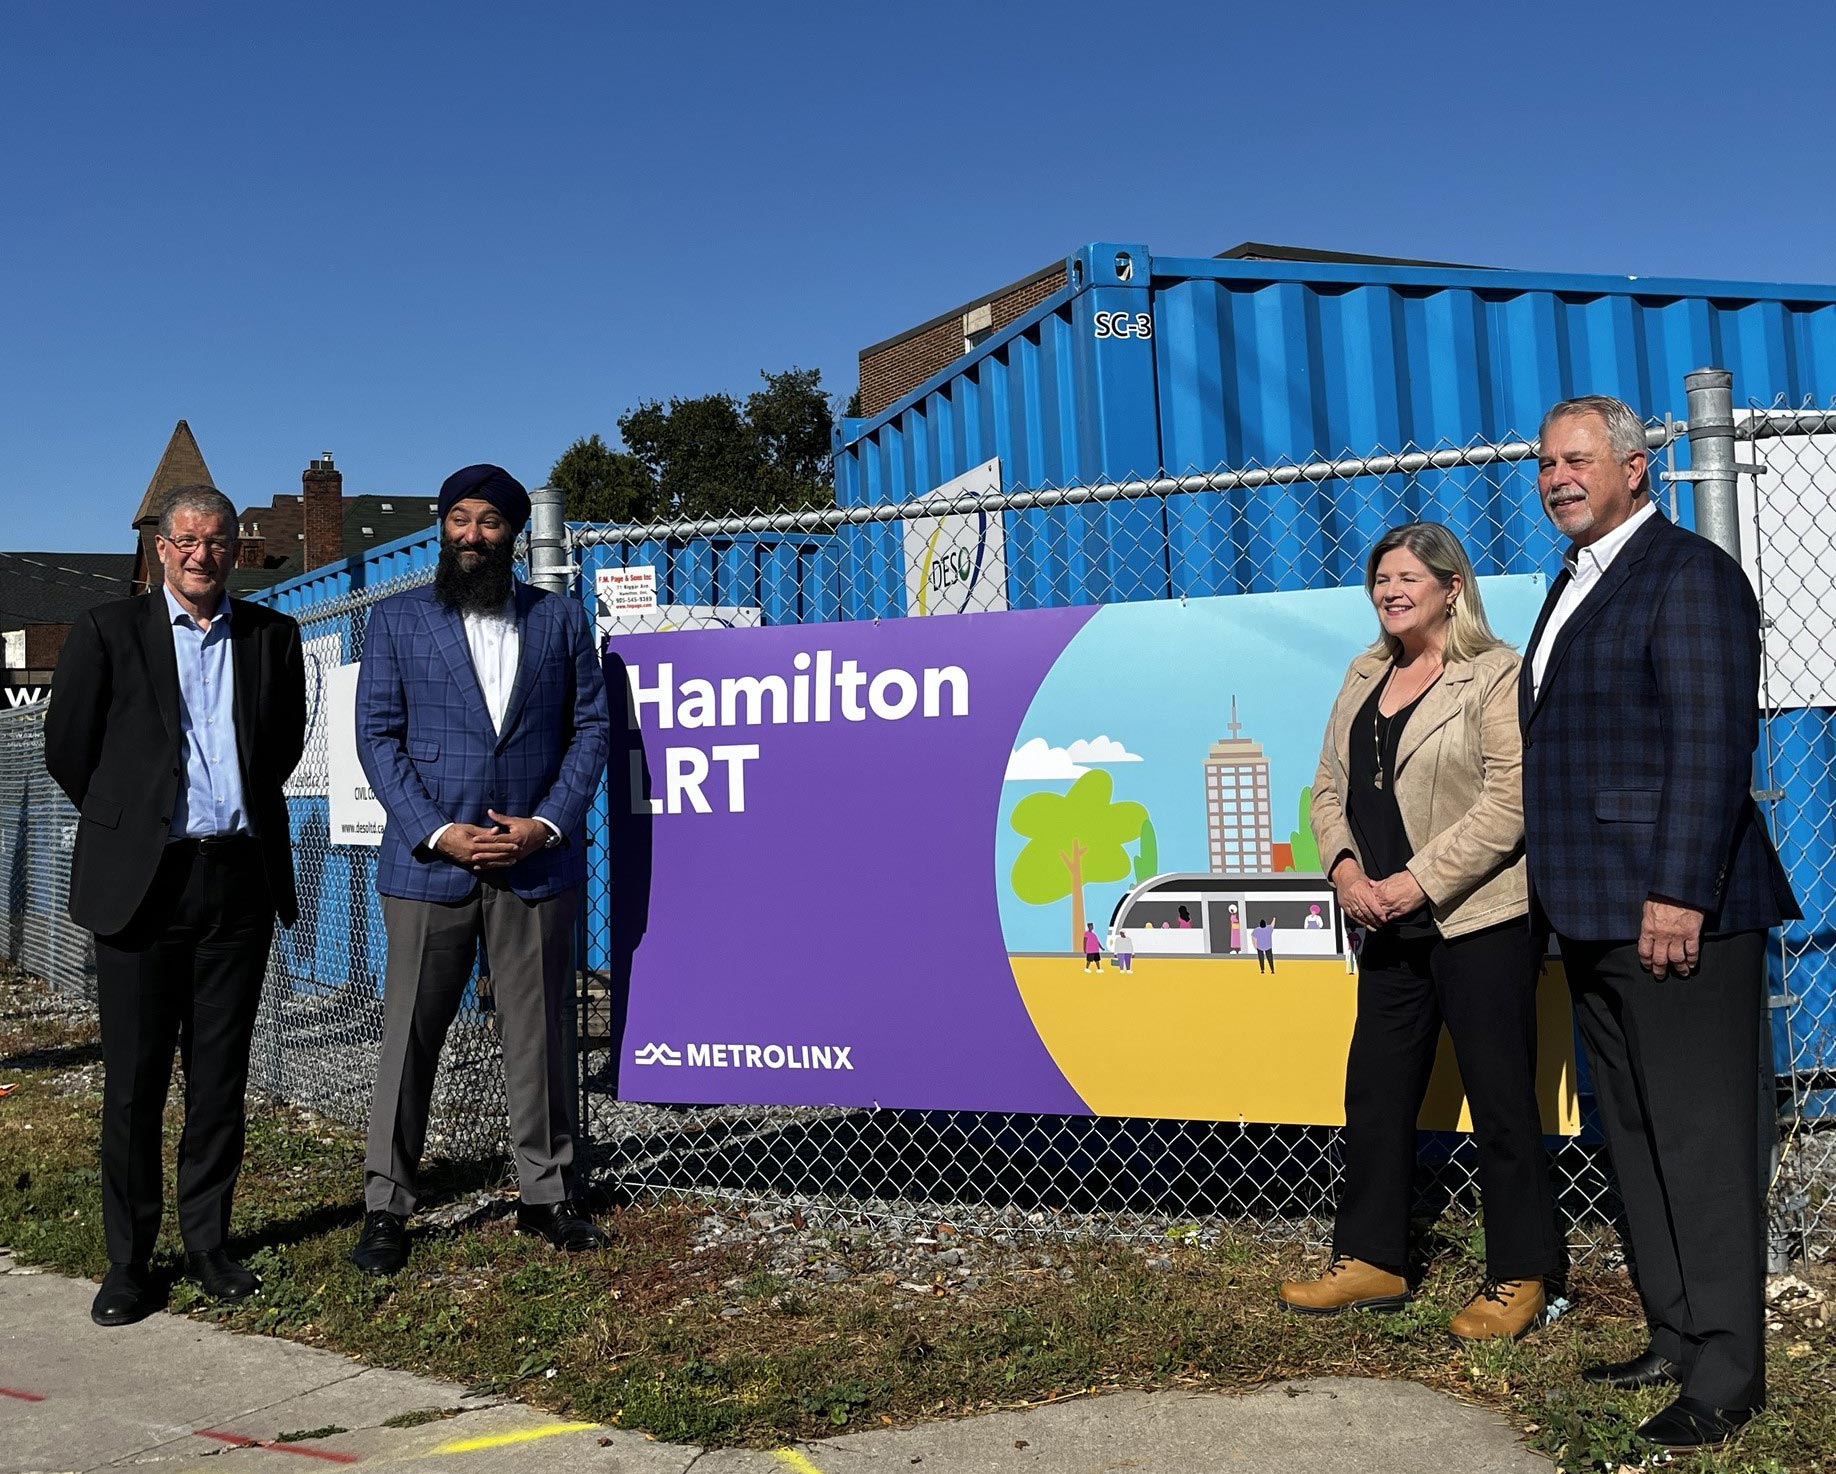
<point x="1638" y="747"/>
<point x="112" y="744"/>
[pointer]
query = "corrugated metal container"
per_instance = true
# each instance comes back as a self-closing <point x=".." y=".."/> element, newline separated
<point x="1143" y="365"/>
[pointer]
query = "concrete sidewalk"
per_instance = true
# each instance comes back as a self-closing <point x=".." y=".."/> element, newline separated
<point x="172" y="1393"/>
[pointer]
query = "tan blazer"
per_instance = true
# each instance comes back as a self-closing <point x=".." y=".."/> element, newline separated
<point x="1459" y="784"/>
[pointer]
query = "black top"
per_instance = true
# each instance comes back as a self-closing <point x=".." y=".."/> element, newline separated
<point x="1375" y="819"/>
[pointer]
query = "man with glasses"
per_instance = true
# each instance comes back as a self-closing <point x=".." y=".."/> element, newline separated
<point x="175" y="718"/>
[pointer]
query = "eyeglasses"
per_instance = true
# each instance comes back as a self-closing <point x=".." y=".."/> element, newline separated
<point x="216" y="546"/>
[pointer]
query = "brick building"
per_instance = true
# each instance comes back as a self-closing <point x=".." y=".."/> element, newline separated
<point x="294" y="534"/>
<point x="895" y="366"/>
<point x="41" y="594"/>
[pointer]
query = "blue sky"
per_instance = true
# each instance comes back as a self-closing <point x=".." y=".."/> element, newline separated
<point x="422" y="235"/>
<point x="1158" y="677"/>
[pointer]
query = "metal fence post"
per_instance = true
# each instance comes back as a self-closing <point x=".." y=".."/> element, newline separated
<point x="1713" y="471"/>
<point x="1711" y="456"/>
<point x="550" y="568"/>
<point x="548" y="565"/>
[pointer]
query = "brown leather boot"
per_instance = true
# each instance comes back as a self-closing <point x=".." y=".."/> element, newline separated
<point x="1512" y="1308"/>
<point x="1348" y="1284"/>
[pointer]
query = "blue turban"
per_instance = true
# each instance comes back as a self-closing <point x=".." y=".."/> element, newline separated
<point x="491" y="484"/>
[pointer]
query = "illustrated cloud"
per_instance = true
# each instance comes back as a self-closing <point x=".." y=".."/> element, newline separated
<point x="1037" y="760"/>
<point x="1101" y="749"/>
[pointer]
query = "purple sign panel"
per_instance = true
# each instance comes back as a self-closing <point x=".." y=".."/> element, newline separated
<point x="1045" y="861"/>
<point x="823" y="925"/>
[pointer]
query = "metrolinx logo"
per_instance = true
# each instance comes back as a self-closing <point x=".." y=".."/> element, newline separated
<point x="748" y="1056"/>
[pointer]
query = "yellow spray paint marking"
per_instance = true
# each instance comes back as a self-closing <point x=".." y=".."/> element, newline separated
<point x="504" y="1440"/>
<point x="792" y="1459"/>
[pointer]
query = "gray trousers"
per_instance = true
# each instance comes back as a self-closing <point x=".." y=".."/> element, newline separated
<point x="432" y="946"/>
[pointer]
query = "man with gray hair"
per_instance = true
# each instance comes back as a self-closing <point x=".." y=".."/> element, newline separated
<point x="1649" y="862"/>
<point x="175" y="718"/>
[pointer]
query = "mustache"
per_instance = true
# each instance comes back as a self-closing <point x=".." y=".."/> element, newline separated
<point x="485" y="585"/>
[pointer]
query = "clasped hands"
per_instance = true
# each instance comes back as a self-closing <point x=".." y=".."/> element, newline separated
<point x="1375" y="902"/>
<point x="483" y="847"/>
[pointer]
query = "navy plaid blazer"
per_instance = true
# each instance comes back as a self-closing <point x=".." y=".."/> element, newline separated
<point x="425" y="740"/>
<point x="1638" y="748"/>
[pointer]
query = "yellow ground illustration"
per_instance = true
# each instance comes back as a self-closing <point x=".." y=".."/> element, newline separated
<point x="1210" y="1039"/>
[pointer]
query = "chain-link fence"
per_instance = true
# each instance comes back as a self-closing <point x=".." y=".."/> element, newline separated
<point x="1788" y="487"/>
<point x="1237" y="529"/>
<point x="1246" y="529"/>
<point x="37" y="827"/>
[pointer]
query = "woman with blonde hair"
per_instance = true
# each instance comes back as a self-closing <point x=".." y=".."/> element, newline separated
<point x="1418" y="812"/>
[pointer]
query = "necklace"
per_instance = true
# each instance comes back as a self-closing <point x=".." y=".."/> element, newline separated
<point x="1380" y="724"/>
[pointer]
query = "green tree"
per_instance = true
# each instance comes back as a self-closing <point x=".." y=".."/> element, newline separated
<point x="714" y="456"/>
<point x="1306" y="849"/>
<point x="793" y="423"/>
<point x="603" y="484"/>
<point x="1073" y="839"/>
<point x="1147" y="857"/>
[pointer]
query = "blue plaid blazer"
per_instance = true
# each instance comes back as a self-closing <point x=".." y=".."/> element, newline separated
<point x="425" y="740"/>
<point x="1638" y="747"/>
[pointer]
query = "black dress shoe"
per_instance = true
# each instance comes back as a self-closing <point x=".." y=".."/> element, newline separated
<point x="1647" y="1369"/>
<point x="221" y="1276"/>
<point x="382" y="1247"/>
<point x="127" y="1295"/>
<point x="1687" y="1423"/>
<point x="565" y="1224"/>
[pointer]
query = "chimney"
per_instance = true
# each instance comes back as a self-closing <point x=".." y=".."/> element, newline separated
<point x="322" y="510"/>
<point x="252" y="552"/>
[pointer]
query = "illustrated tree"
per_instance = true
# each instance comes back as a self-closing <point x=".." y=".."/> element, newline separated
<point x="1147" y="855"/>
<point x="1306" y="849"/>
<point x="1073" y="838"/>
<point x="603" y="484"/>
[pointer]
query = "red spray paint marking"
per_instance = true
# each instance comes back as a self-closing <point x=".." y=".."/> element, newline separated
<point x="22" y="1396"/>
<point x="236" y="1440"/>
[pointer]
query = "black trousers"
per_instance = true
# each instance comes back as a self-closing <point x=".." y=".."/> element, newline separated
<point x="1673" y="1065"/>
<point x="187" y="970"/>
<point x="1483" y="987"/>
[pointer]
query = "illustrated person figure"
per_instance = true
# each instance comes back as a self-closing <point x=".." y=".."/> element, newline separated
<point x="1418" y="814"/>
<point x="1122" y="947"/>
<point x="175" y="719"/>
<point x="1093" y="948"/>
<point x="1236" y="930"/>
<point x="482" y="727"/>
<point x="1651" y="865"/>
<point x="1314" y="921"/>
<point x="1263" y="935"/>
<point x="1185" y="917"/>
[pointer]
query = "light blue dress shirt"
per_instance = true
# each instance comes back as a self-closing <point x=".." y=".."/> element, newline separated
<point x="210" y="801"/>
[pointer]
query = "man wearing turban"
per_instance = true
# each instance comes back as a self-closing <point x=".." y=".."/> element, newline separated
<point x="482" y="727"/>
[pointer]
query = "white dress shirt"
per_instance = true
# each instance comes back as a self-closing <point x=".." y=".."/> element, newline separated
<point x="1584" y="570"/>
<point x="496" y="645"/>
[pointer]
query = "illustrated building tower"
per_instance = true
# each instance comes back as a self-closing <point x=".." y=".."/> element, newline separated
<point x="1237" y="803"/>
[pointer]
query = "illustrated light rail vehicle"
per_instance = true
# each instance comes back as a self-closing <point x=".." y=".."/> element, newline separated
<point x="1150" y="914"/>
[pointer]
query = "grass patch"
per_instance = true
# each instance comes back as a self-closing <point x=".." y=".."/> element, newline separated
<point x="301" y="1435"/>
<point x="419" y="1416"/>
<point x="677" y="1334"/>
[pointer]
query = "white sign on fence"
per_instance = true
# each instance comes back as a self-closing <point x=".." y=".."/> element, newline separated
<point x="629" y="590"/>
<point x="323" y="653"/>
<point x="1793" y="541"/>
<point x="357" y="814"/>
<point x="663" y="617"/>
<point x="958" y="564"/>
